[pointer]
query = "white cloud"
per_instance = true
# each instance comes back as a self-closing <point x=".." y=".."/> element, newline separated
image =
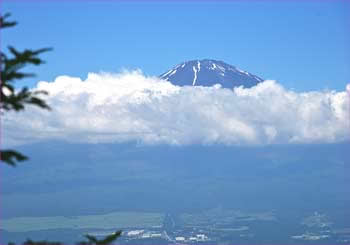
<point x="132" y="107"/>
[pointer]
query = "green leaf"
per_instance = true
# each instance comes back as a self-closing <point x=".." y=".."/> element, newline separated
<point x="10" y="157"/>
<point x="4" y="23"/>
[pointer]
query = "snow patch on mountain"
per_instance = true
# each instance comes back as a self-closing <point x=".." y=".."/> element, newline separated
<point x="209" y="72"/>
<point x="195" y="76"/>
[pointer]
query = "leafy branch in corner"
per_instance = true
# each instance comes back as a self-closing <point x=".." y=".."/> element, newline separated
<point x="16" y="100"/>
<point x="10" y="98"/>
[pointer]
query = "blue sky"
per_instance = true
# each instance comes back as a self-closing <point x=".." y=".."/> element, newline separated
<point x="305" y="45"/>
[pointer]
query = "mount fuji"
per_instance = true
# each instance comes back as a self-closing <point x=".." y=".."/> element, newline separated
<point x="208" y="72"/>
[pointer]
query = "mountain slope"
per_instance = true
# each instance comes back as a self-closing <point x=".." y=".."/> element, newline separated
<point x="209" y="72"/>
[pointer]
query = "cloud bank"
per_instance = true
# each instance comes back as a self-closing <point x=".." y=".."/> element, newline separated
<point x="115" y="108"/>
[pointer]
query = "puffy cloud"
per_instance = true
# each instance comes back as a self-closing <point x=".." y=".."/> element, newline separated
<point x="132" y="107"/>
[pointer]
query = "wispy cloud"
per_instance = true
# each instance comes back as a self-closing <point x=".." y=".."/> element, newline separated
<point x="132" y="107"/>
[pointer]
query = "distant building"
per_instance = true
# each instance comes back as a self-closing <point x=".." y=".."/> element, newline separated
<point x="135" y="233"/>
<point x="180" y="239"/>
<point x="192" y="238"/>
<point x="146" y="235"/>
<point x="201" y="237"/>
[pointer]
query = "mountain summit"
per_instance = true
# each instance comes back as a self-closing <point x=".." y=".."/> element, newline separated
<point x="209" y="72"/>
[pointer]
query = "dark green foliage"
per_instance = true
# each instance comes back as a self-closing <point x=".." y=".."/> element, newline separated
<point x="12" y="66"/>
<point x="107" y="240"/>
<point x="10" y="98"/>
<point x="30" y="242"/>
<point x="4" y="24"/>
<point x="11" y="156"/>
<point x="91" y="240"/>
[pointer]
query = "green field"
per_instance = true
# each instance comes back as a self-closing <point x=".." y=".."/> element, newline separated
<point x="116" y="220"/>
